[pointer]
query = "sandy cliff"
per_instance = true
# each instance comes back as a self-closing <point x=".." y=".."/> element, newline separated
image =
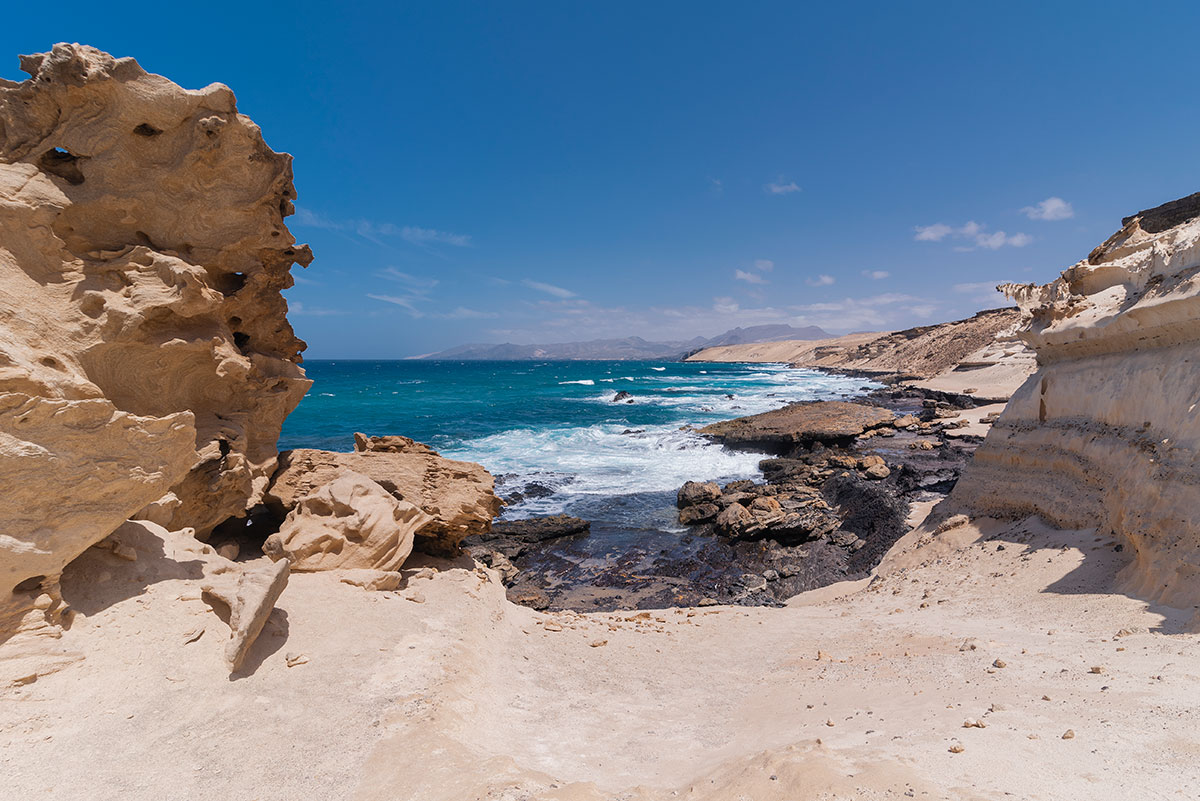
<point x="145" y="352"/>
<point x="979" y="356"/>
<point x="1106" y="433"/>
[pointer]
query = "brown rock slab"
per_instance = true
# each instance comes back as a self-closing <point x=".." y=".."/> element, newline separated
<point x="782" y="430"/>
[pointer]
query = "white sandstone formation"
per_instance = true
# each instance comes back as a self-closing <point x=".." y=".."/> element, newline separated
<point x="458" y="498"/>
<point x="1106" y="434"/>
<point x="349" y="523"/>
<point x="145" y="355"/>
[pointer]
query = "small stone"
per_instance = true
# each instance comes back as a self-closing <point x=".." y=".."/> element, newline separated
<point x="829" y="722"/>
<point x="877" y="472"/>
<point x="707" y="602"/>
<point x="1000" y="663"/>
<point x="972" y="723"/>
<point x="229" y="550"/>
<point x="598" y="643"/>
<point x="193" y="635"/>
<point x="1096" y="669"/>
<point x="1045" y="698"/>
<point x="550" y="625"/>
<point x="292" y="658"/>
<point x="1069" y="734"/>
<point x="416" y="598"/>
<point x="956" y="749"/>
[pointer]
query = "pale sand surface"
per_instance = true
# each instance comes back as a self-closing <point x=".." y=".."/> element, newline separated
<point x="465" y="696"/>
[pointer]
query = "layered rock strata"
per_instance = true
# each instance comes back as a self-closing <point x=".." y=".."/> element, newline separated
<point x="145" y="355"/>
<point x="1106" y="434"/>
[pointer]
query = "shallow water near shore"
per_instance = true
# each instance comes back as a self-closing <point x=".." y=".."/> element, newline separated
<point x="557" y="441"/>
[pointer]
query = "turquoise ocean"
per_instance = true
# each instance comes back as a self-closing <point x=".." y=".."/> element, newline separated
<point x="552" y="431"/>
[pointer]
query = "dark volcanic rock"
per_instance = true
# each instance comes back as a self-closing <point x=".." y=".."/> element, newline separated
<point x="780" y="431"/>
<point x="699" y="513"/>
<point x="536" y="529"/>
<point x="871" y="510"/>
<point x="620" y="396"/>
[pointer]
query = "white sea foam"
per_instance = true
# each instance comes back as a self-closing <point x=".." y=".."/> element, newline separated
<point x="605" y="461"/>
<point x="587" y="382"/>
<point x="660" y="369"/>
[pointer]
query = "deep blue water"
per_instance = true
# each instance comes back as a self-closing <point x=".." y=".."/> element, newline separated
<point x="555" y="423"/>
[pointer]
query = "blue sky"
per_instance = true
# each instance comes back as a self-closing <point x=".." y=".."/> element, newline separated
<point x="550" y="171"/>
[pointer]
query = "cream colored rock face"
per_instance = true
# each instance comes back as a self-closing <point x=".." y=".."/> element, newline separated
<point x="143" y="340"/>
<point x="1107" y="432"/>
<point x="351" y="522"/>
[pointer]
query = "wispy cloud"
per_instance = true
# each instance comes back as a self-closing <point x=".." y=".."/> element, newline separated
<point x="876" y="275"/>
<point x="377" y="231"/>
<point x="975" y="233"/>
<point x="298" y="309"/>
<point x="392" y="274"/>
<point x="549" y="289"/>
<point x="1052" y="208"/>
<point x="749" y="278"/>
<point x="820" y="280"/>
<point x="766" y="265"/>
<point x="781" y="186"/>
<point x="426" y="236"/>
<point x="407" y="302"/>
<point x="983" y="292"/>
<point x="715" y="186"/>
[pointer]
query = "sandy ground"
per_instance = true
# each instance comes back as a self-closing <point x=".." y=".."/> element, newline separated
<point x="444" y="690"/>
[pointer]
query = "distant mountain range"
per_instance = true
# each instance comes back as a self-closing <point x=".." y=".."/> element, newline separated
<point x="627" y="349"/>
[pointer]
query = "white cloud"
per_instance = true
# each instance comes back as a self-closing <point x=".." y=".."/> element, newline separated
<point x="463" y="313"/>
<point x="549" y="289"/>
<point x="1052" y="208"/>
<point x="407" y="302"/>
<point x="875" y="312"/>
<point x="425" y="236"/>
<point x="999" y="239"/>
<point x="749" y="278"/>
<point x="725" y="305"/>
<point x="780" y="187"/>
<point x="975" y="233"/>
<point x="820" y="280"/>
<point x="981" y="292"/>
<point x="876" y="275"/>
<point x="296" y="308"/>
<point x="392" y="274"/>
<point x="374" y="231"/>
<point x="766" y="265"/>
<point x="932" y="233"/>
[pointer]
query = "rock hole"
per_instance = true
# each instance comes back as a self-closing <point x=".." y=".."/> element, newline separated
<point x="230" y="283"/>
<point x="224" y="447"/>
<point x="241" y="340"/>
<point x="62" y="163"/>
<point x="30" y="584"/>
<point x="147" y="130"/>
<point x="50" y="361"/>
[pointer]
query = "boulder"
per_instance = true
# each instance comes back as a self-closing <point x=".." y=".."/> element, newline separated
<point x="801" y="424"/>
<point x="458" y="497"/>
<point x="699" y="513"/>
<point x="250" y="591"/>
<point x="537" y="529"/>
<point x="144" y="346"/>
<point x="694" y="492"/>
<point x="351" y="522"/>
<point x="734" y="519"/>
<point x="392" y="443"/>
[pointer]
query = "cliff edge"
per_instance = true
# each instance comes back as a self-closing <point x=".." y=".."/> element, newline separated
<point x="1106" y="434"/>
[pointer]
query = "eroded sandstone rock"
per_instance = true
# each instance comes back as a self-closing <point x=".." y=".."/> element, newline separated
<point x="250" y="590"/>
<point x="1106" y="434"/>
<point x="351" y="522"/>
<point x="144" y="346"/>
<point x="458" y="497"/>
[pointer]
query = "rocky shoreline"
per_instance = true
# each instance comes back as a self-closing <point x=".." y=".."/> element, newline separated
<point x="836" y="493"/>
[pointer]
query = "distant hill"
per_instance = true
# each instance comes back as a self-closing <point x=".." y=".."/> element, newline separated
<point x="628" y="348"/>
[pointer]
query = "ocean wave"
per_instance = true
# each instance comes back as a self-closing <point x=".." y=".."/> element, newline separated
<point x="587" y="382"/>
<point x="603" y="460"/>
